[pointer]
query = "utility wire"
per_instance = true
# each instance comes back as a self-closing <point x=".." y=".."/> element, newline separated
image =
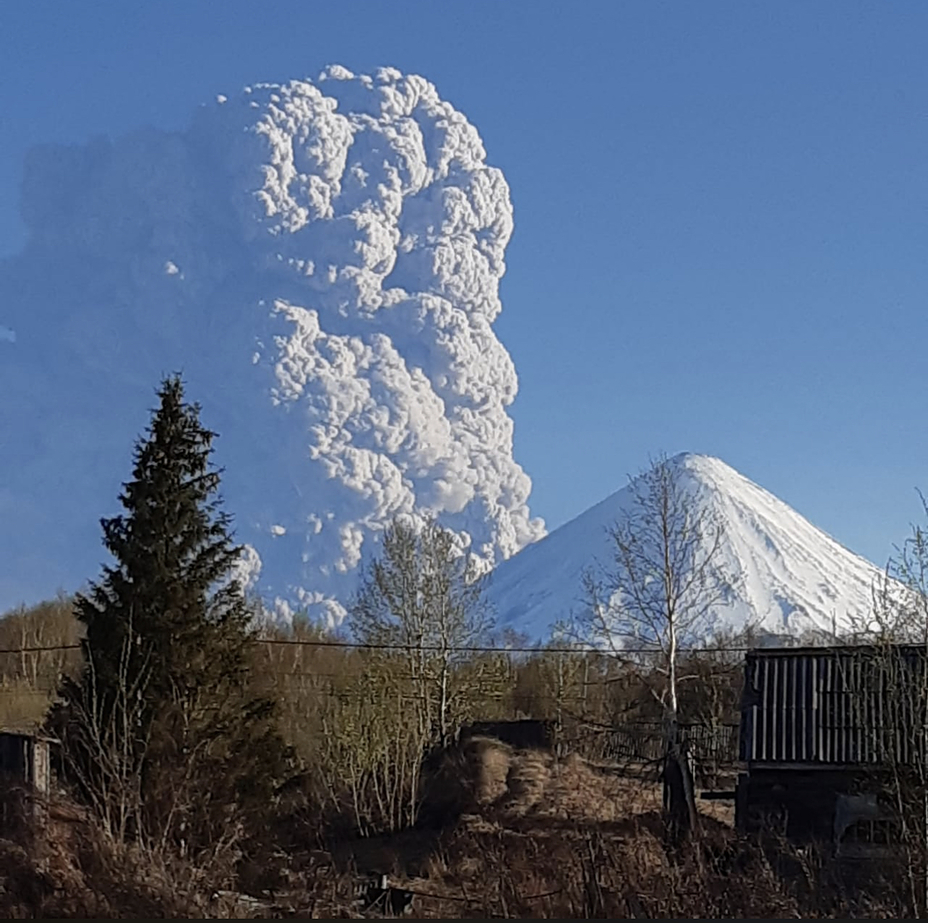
<point x="432" y="648"/>
<point x="478" y="649"/>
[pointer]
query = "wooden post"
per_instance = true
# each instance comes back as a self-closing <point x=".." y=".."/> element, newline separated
<point x="679" y="789"/>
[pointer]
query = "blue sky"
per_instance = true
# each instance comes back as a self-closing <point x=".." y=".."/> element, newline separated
<point x="720" y="211"/>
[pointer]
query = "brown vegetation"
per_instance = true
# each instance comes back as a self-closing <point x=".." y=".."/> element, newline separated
<point x="207" y="770"/>
<point x="503" y="831"/>
<point x="567" y="842"/>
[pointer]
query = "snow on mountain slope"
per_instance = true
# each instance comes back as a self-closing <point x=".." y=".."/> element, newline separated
<point x="321" y="260"/>
<point x="793" y="577"/>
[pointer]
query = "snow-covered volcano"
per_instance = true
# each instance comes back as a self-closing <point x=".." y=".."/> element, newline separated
<point x="792" y="578"/>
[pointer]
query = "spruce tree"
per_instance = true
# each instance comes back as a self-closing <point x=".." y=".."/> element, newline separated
<point x="162" y="718"/>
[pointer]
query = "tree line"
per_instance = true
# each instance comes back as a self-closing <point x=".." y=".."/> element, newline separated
<point x="171" y="723"/>
<point x="178" y="729"/>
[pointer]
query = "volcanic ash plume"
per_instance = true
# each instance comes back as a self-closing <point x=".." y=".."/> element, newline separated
<point x="321" y="261"/>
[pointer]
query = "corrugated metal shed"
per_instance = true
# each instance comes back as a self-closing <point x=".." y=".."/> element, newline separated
<point x="838" y="706"/>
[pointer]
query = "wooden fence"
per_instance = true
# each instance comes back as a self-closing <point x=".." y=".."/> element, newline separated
<point x="713" y="748"/>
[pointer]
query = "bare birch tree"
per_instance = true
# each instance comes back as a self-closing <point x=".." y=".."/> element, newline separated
<point x="426" y="597"/>
<point x="657" y="593"/>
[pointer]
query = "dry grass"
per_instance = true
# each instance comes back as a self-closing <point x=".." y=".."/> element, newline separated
<point x="531" y="862"/>
<point x="489" y="870"/>
<point x="491" y="779"/>
<point x="65" y="868"/>
<point x="46" y="879"/>
<point x="486" y="770"/>
<point x="469" y="778"/>
<point x="564" y="839"/>
<point x="581" y="792"/>
<point x="529" y="837"/>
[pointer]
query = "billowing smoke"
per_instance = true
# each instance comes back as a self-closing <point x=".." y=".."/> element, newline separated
<point x="321" y="261"/>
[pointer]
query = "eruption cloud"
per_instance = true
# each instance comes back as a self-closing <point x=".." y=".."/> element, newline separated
<point x="321" y="260"/>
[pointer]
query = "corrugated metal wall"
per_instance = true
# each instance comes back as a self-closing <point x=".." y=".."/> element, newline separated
<point x="835" y="706"/>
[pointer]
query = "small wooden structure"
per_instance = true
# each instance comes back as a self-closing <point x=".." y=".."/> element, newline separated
<point x="25" y="775"/>
<point x="823" y="730"/>
<point x="25" y="757"/>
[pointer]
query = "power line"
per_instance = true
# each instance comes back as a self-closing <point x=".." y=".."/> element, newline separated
<point x="428" y="648"/>
<point x="479" y="649"/>
<point x="417" y="648"/>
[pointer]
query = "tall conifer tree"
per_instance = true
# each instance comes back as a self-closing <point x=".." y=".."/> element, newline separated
<point x="164" y="695"/>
